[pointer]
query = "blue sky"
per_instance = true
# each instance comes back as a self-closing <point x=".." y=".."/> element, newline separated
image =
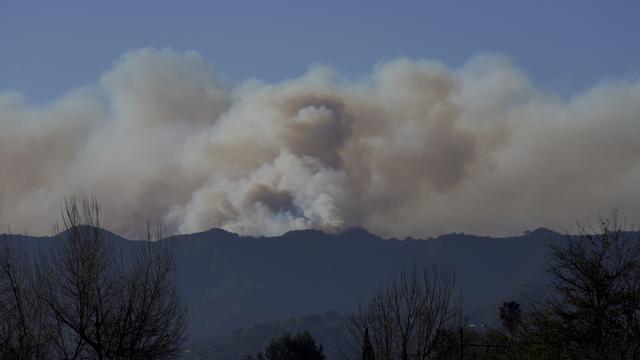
<point x="49" y="47"/>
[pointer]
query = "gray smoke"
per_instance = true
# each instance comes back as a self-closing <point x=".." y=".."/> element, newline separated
<point x="415" y="148"/>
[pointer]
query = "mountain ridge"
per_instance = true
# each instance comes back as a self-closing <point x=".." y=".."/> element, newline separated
<point x="357" y="231"/>
<point x="229" y="281"/>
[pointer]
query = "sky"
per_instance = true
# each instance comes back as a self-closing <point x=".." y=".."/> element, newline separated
<point x="50" y="47"/>
<point x="404" y="118"/>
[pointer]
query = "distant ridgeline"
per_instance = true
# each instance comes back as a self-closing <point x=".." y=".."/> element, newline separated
<point x="231" y="282"/>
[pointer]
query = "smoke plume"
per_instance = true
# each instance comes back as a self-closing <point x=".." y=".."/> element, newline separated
<point x="415" y="148"/>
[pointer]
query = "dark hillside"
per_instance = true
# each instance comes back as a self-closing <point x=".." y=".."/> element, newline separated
<point x="231" y="282"/>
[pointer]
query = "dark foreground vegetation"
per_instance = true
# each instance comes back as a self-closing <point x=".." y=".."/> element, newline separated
<point x="329" y="329"/>
<point x="83" y="298"/>
<point x="591" y="311"/>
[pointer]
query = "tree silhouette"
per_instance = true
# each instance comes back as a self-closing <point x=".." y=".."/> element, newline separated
<point x="84" y="302"/>
<point x="23" y="321"/>
<point x="299" y="347"/>
<point x="406" y="318"/>
<point x="594" y="311"/>
<point x="367" y="348"/>
<point x="511" y="317"/>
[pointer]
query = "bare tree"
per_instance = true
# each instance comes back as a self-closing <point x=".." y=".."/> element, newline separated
<point x="408" y="318"/>
<point x="103" y="306"/>
<point x="594" y="311"/>
<point x="23" y="330"/>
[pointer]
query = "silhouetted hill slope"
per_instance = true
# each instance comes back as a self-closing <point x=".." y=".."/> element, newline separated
<point x="231" y="282"/>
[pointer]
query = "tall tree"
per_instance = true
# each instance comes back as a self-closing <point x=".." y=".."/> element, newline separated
<point x="86" y="301"/>
<point x="407" y="316"/>
<point x="594" y="311"/>
<point x="109" y="307"/>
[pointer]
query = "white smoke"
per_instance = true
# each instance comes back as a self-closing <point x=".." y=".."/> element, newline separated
<point x="416" y="148"/>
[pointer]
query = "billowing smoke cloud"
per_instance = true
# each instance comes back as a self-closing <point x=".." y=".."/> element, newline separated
<point x="415" y="148"/>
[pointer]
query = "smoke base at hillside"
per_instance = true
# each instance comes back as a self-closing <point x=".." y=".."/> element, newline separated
<point x="415" y="148"/>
